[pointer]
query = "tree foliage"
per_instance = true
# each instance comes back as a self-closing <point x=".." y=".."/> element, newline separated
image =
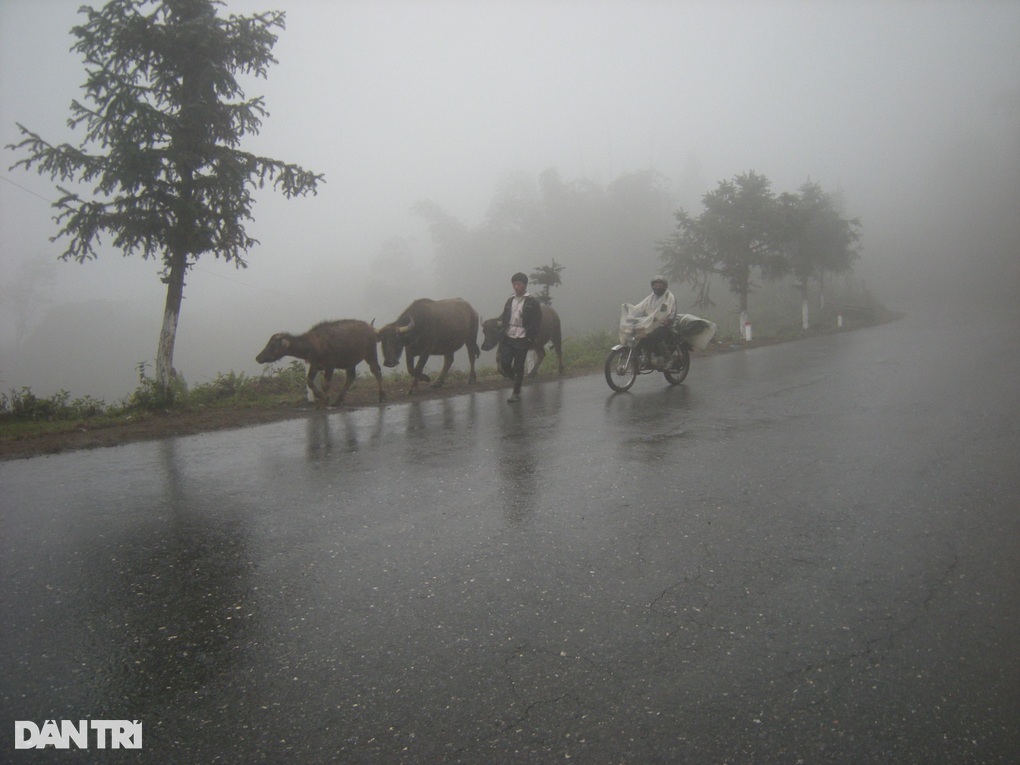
<point x="163" y="116"/>
<point x="547" y="277"/>
<point x="819" y="240"/>
<point x="736" y="237"/>
<point x="745" y="232"/>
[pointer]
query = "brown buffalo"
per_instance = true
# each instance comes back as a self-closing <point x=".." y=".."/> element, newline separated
<point x="492" y="333"/>
<point x="327" y="346"/>
<point x="431" y="328"/>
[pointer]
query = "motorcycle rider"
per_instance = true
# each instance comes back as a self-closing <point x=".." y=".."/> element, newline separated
<point x="662" y="305"/>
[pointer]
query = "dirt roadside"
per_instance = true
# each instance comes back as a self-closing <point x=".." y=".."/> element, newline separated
<point x="190" y="421"/>
<point x="149" y="426"/>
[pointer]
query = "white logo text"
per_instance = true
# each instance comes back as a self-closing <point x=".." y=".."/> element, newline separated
<point x="108" y="734"/>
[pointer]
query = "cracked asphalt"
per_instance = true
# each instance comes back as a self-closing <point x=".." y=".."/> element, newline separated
<point x="807" y="553"/>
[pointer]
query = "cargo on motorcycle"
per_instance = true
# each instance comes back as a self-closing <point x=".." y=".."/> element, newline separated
<point x="654" y="339"/>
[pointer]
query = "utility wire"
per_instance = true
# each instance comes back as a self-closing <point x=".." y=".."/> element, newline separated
<point x="26" y="190"/>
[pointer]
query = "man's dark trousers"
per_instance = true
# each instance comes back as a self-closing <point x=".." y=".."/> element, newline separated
<point x="513" y="352"/>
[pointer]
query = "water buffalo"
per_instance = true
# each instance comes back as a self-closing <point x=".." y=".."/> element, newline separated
<point x="492" y="332"/>
<point x="327" y="346"/>
<point x="427" y="328"/>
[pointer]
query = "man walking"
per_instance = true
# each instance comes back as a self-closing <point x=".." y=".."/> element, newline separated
<point x="521" y="320"/>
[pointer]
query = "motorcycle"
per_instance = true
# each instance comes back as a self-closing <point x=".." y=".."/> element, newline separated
<point x="639" y="353"/>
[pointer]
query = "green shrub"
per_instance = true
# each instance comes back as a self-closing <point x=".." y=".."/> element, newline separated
<point x="277" y="381"/>
<point x="240" y="388"/>
<point x="224" y="387"/>
<point x="24" y="406"/>
<point x="589" y="351"/>
<point x="149" y="396"/>
<point x="86" y="407"/>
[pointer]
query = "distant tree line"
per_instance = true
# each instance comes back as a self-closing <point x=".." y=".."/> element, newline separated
<point x="603" y="237"/>
<point x="609" y="237"/>
<point x="746" y="232"/>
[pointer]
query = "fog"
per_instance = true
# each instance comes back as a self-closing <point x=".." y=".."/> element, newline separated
<point x="910" y="111"/>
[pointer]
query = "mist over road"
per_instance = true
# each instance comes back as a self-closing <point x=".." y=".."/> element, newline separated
<point x="807" y="552"/>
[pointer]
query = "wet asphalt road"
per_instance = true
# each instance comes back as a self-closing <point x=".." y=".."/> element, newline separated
<point x="807" y="553"/>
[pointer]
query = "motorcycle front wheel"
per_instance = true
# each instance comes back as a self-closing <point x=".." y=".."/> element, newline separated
<point x="680" y="367"/>
<point x="621" y="369"/>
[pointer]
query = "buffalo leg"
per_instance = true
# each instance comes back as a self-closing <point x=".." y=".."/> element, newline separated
<point x="313" y="372"/>
<point x="377" y="373"/>
<point x="349" y="375"/>
<point x="418" y="373"/>
<point x="327" y="384"/>
<point x="473" y="353"/>
<point x="539" y="357"/>
<point x="372" y="359"/>
<point x="416" y="370"/>
<point x="447" y="363"/>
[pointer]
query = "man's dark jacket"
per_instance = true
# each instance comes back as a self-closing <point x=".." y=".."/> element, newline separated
<point x="531" y="317"/>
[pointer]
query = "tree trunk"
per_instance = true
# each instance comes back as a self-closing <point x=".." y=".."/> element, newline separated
<point x="743" y="313"/>
<point x="165" y="372"/>
<point x="804" y="312"/>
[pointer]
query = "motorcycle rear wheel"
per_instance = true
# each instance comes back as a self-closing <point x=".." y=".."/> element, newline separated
<point x="621" y="369"/>
<point x="681" y="365"/>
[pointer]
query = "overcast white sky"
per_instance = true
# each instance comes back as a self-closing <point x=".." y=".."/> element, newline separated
<point x="400" y="100"/>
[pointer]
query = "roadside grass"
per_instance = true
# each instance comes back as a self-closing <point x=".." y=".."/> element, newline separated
<point x="24" y="415"/>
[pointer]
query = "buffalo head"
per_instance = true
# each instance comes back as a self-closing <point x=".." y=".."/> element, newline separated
<point x="275" y="349"/>
<point x="492" y="331"/>
<point x="392" y="338"/>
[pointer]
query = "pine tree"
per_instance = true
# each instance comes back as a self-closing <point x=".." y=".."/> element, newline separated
<point x="164" y="116"/>
<point x="547" y="277"/>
